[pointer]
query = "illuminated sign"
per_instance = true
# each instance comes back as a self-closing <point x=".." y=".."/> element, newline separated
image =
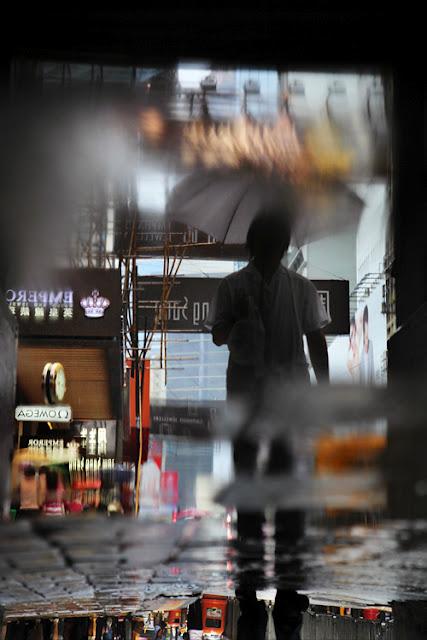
<point x="30" y="301"/>
<point x="98" y="437"/>
<point x="45" y="298"/>
<point x="94" y="440"/>
<point x="40" y="305"/>
<point x="72" y="302"/>
<point x="55" y="448"/>
<point x="94" y="305"/>
<point x="43" y="413"/>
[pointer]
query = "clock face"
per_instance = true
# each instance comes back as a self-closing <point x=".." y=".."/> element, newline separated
<point x="54" y="382"/>
<point x="60" y="386"/>
<point x="46" y="382"/>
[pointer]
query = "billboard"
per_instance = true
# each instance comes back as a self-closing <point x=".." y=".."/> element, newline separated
<point x="189" y="303"/>
<point x="366" y="361"/>
<point x="68" y="303"/>
<point x="361" y="357"/>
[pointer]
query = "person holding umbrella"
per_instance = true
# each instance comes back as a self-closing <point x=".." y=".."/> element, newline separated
<point x="262" y="313"/>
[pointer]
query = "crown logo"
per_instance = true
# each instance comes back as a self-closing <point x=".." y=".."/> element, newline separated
<point x="94" y="305"/>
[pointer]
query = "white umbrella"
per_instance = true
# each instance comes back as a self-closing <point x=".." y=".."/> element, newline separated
<point x="223" y="203"/>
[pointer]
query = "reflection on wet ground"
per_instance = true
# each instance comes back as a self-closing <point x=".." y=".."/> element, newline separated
<point x="347" y="526"/>
<point x="122" y="565"/>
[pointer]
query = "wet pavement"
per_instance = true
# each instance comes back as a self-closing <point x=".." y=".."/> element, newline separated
<point x="346" y="527"/>
<point x="84" y="564"/>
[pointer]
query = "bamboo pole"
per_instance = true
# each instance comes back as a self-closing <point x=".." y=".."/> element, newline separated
<point x="55" y="629"/>
<point x="92" y="629"/>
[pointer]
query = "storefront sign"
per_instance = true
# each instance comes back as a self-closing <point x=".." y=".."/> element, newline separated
<point x="184" y="419"/>
<point x="43" y="413"/>
<point x="154" y="231"/>
<point x="190" y="299"/>
<point x="188" y="305"/>
<point x="72" y="302"/>
<point x="55" y="448"/>
<point x="98" y="437"/>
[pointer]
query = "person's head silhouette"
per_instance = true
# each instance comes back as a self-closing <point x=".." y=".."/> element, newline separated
<point x="268" y="238"/>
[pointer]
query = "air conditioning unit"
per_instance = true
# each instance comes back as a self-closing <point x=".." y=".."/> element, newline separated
<point x="337" y="88"/>
<point x="209" y="83"/>
<point x="296" y="88"/>
<point x="252" y="86"/>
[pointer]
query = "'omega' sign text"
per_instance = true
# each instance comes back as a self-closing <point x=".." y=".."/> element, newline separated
<point x="42" y="413"/>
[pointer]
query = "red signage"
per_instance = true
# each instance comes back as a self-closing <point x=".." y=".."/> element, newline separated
<point x="155" y="452"/>
<point x="169" y="483"/>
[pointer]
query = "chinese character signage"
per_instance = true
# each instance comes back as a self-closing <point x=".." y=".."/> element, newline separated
<point x="69" y="302"/>
<point x="98" y="437"/>
<point x="190" y="299"/>
<point x="188" y="305"/>
<point x="335" y="297"/>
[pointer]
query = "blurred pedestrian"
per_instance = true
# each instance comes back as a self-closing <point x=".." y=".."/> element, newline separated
<point x="107" y="633"/>
<point x="160" y="631"/>
<point x="42" y="485"/>
<point x="28" y="490"/>
<point x="75" y="505"/>
<point x="54" y="503"/>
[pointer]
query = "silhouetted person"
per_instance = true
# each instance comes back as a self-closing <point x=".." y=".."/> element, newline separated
<point x="287" y="615"/>
<point x="262" y="313"/>
<point x="54" y="503"/>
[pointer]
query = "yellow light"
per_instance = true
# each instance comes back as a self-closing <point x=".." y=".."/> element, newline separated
<point x="152" y="125"/>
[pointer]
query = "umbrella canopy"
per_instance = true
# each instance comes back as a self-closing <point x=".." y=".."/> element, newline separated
<point x="223" y="203"/>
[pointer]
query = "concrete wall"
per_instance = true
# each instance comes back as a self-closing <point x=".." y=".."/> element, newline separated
<point x="333" y="257"/>
<point x="8" y="358"/>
